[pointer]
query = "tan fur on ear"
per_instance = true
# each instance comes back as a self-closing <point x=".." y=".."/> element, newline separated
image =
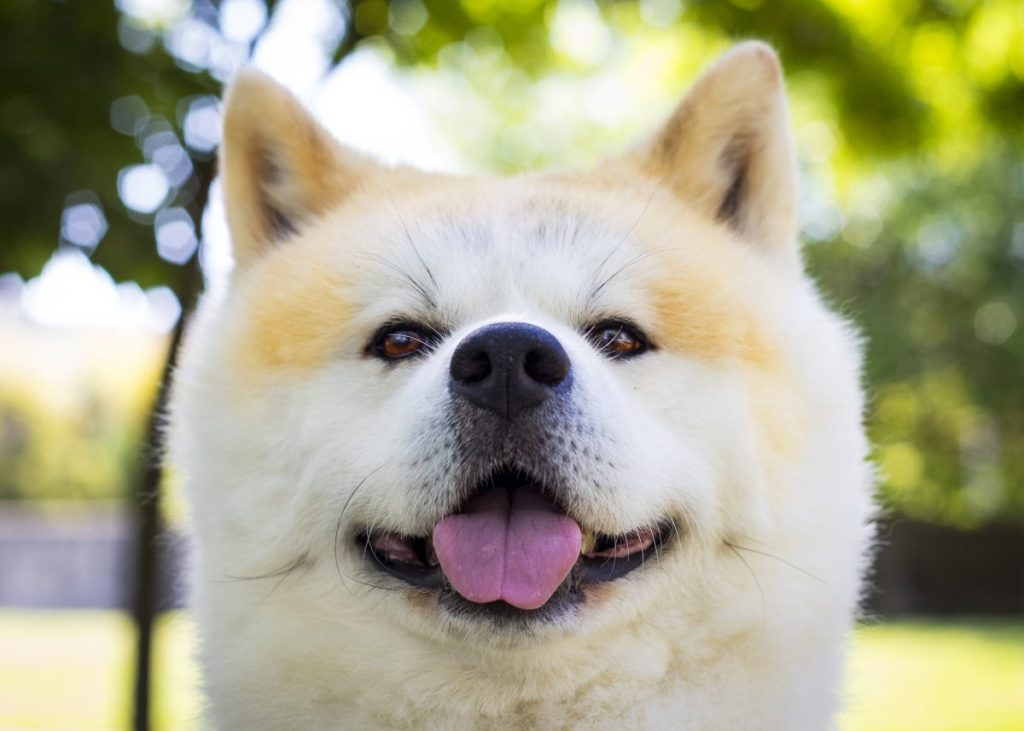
<point x="726" y="149"/>
<point x="280" y="167"/>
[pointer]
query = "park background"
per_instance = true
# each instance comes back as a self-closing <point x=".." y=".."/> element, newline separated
<point x="908" y="119"/>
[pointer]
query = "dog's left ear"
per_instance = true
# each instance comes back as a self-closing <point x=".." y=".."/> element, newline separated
<point x="726" y="149"/>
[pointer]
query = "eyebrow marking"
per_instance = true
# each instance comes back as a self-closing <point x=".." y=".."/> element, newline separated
<point x="425" y="296"/>
<point x="408" y="237"/>
<point x="629" y="232"/>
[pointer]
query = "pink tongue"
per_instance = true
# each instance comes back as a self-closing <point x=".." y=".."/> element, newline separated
<point x="511" y="546"/>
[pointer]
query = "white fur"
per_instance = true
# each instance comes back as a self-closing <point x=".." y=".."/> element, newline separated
<point x="742" y="623"/>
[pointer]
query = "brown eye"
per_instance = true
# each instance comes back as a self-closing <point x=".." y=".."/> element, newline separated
<point x="618" y="339"/>
<point x="399" y="341"/>
<point x="401" y="344"/>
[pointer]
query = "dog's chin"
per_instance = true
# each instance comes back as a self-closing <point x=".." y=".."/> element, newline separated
<point x="411" y="560"/>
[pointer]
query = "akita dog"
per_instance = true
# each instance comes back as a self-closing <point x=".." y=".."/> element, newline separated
<point x="568" y="450"/>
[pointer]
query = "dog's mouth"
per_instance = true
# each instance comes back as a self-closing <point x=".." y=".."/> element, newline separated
<point x="510" y="547"/>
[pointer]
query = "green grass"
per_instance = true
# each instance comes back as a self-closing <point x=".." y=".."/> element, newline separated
<point x="939" y="676"/>
<point x="71" y="670"/>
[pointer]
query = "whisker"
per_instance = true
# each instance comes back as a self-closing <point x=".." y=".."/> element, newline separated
<point x="275" y="587"/>
<point x="604" y="347"/>
<point x="779" y="559"/>
<point x="428" y="300"/>
<point x="657" y="550"/>
<point x="439" y="333"/>
<point x="408" y="237"/>
<point x="635" y="260"/>
<point x="675" y="528"/>
<point x="371" y="585"/>
<point x="368" y="546"/>
<point x="276" y="574"/>
<point x="757" y="583"/>
<point x="629" y="232"/>
<point x="341" y="516"/>
<point x="280" y="574"/>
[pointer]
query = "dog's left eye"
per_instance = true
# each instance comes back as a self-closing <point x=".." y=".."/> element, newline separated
<point x="617" y="339"/>
<point x="400" y="341"/>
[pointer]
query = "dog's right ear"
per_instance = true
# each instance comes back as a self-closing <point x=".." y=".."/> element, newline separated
<point x="726" y="150"/>
<point x="280" y="167"/>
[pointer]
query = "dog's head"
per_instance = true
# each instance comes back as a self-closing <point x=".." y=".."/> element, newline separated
<point x="506" y="404"/>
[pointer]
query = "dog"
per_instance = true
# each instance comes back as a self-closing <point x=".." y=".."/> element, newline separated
<point x="571" y="450"/>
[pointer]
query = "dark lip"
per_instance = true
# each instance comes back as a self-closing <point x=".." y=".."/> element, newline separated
<point x="588" y="570"/>
<point x="426" y="574"/>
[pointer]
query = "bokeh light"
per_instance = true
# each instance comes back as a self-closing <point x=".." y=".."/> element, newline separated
<point x="71" y="292"/>
<point x="143" y="188"/>
<point x="82" y="222"/>
<point x="201" y="125"/>
<point x="128" y="115"/>
<point x="176" y="240"/>
<point x="242" y="20"/>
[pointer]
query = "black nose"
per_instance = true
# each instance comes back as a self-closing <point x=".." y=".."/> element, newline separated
<point x="508" y="367"/>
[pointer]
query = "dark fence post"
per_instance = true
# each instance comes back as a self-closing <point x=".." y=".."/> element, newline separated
<point x="147" y="566"/>
<point x="146" y="600"/>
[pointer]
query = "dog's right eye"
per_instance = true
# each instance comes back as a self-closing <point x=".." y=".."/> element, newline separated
<point x="399" y="343"/>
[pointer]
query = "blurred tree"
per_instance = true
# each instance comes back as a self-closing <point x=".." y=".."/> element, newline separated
<point x="64" y="72"/>
<point x="940" y="293"/>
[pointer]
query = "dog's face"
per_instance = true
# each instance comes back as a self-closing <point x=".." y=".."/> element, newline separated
<point x="518" y="408"/>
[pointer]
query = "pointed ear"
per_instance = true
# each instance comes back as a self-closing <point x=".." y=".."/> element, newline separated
<point x="280" y="167"/>
<point x="726" y="149"/>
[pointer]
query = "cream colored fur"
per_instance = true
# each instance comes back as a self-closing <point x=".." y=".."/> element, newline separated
<point x="743" y="425"/>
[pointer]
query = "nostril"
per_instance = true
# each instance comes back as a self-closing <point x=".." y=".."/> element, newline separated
<point x="547" y="366"/>
<point x="470" y="365"/>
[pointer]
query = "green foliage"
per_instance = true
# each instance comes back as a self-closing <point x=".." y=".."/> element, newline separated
<point x="70" y="426"/>
<point x="62" y="68"/>
<point x="939" y="294"/>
